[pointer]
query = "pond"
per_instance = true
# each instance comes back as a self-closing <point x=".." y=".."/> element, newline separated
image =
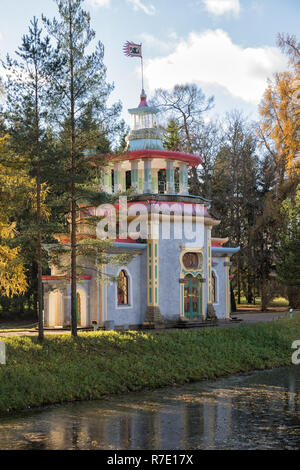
<point x="260" y="410"/>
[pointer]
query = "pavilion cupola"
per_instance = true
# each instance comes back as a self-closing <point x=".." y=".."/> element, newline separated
<point x="146" y="166"/>
<point x="145" y="134"/>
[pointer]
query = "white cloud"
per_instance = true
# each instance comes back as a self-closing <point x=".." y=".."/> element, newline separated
<point x="212" y="59"/>
<point x="158" y="44"/>
<point x="99" y="3"/>
<point x="139" y="5"/>
<point x="219" y="7"/>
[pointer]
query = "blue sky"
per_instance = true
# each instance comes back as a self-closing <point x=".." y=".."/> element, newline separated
<point x="228" y="47"/>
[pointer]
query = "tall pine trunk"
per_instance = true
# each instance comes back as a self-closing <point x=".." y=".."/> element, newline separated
<point x="38" y="211"/>
<point x="73" y="173"/>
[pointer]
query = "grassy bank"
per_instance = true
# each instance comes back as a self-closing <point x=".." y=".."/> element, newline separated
<point x="97" y="364"/>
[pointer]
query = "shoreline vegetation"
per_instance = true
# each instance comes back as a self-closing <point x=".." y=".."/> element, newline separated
<point x="64" y="369"/>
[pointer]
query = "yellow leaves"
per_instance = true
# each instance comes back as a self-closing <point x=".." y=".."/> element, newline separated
<point x="7" y="231"/>
<point x="280" y="120"/>
<point x="12" y="273"/>
<point x="45" y="211"/>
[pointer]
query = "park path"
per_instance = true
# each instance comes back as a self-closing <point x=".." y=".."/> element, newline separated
<point x="246" y="319"/>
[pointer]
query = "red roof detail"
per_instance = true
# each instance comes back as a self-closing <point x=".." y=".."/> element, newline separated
<point x="143" y="103"/>
<point x="193" y="160"/>
<point x="125" y="240"/>
<point x="58" y="278"/>
<point x="216" y="245"/>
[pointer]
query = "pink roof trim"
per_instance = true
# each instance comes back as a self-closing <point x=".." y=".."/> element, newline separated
<point x="192" y="160"/>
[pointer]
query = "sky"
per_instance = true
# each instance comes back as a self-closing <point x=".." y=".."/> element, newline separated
<point x="227" y="47"/>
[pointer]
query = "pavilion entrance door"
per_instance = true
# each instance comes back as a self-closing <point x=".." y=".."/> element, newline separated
<point x="192" y="297"/>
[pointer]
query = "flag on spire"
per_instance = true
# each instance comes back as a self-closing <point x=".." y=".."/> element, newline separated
<point x="132" y="50"/>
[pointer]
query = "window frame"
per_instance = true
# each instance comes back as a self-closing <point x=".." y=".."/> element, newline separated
<point x="129" y="290"/>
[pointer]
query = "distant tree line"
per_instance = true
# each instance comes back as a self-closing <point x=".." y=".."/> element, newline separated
<point x="250" y="172"/>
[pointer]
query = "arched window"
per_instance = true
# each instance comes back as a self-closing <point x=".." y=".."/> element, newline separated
<point x="123" y="288"/>
<point x="214" y="287"/>
<point x="191" y="260"/>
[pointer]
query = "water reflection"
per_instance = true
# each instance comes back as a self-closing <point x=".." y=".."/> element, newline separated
<point x="258" y="411"/>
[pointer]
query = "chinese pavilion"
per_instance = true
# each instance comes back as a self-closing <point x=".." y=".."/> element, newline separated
<point x="170" y="279"/>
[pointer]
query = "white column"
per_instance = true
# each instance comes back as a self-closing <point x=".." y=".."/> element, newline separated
<point x="147" y="175"/>
<point x="141" y="181"/>
<point x="183" y="178"/>
<point x="123" y="180"/>
<point x="170" y="177"/>
<point x="117" y="178"/>
<point x="135" y="175"/>
<point x="155" y="180"/>
<point x="107" y="183"/>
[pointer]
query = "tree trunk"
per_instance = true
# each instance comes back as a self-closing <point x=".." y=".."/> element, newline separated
<point x="264" y="296"/>
<point x="293" y="293"/>
<point x="238" y="279"/>
<point x="38" y="205"/>
<point x="73" y="173"/>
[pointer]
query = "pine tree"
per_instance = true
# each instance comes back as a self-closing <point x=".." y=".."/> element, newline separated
<point x="172" y="140"/>
<point x="79" y="93"/>
<point x="26" y="87"/>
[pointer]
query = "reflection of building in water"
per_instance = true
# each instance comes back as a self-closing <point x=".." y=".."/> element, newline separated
<point x="171" y="427"/>
<point x="223" y="419"/>
<point x="193" y="423"/>
<point x="163" y="427"/>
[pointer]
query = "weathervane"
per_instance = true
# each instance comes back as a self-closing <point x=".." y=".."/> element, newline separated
<point x="131" y="49"/>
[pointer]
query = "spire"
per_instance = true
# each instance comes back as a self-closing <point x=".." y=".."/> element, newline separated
<point x="143" y="103"/>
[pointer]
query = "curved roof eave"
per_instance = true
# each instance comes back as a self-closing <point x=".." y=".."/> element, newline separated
<point x="144" y="110"/>
<point x="193" y="160"/>
<point x="225" y="251"/>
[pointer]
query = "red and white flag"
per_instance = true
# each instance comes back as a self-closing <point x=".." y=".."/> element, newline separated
<point x="132" y="50"/>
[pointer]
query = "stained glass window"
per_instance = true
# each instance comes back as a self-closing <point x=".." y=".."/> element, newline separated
<point x="123" y="288"/>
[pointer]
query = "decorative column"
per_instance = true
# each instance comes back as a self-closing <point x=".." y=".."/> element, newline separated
<point x="117" y="178"/>
<point x="227" y="265"/>
<point x="155" y="180"/>
<point x="153" y="314"/>
<point x="141" y="181"/>
<point x="170" y="177"/>
<point x="147" y="176"/>
<point x="107" y="180"/>
<point x="135" y="175"/>
<point x="183" y="178"/>
<point x="210" y="312"/>
<point x="208" y="264"/>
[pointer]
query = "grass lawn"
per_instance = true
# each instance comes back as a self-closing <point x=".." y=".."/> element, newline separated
<point x="277" y="302"/>
<point x="102" y="363"/>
